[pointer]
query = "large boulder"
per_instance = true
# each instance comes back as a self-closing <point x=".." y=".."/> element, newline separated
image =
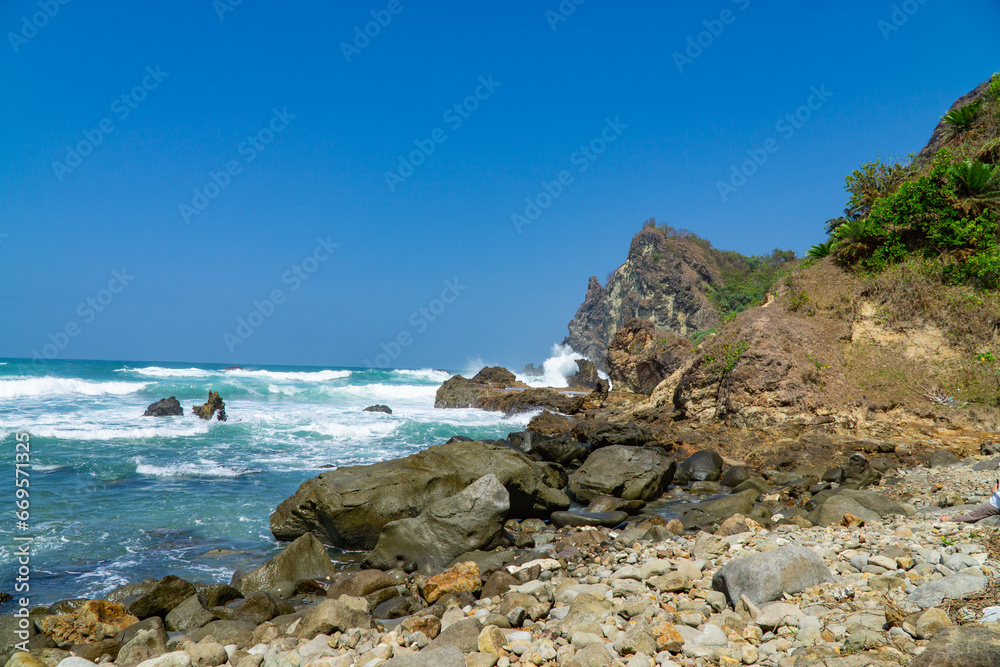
<point x="586" y="376"/>
<point x="954" y="586"/>
<point x="214" y="406"/>
<point x="379" y="408"/>
<point x="497" y="390"/>
<point x="866" y="505"/>
<point x="717" y="511"/>
<point x="305" y="558"/>
<point x="764" y="576"/>
<point x="168" y="593"/>
<point x="858" y="470"/>
<point x="631" y="473"/>
<point x="561" y="450"/>
<point x="165" y="407"/>
<point x="607" y="434"/>
<point x="471" y="519"/>
<point x="349" y="506"/>
<point x="703" y="466"/>
<point x="966" y="646"/>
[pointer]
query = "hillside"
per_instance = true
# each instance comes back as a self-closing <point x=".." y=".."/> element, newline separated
<point x="675" y="280"/>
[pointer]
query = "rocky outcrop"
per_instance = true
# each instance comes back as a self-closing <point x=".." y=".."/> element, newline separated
<point x="379" y="408"/>
<point x="640" y="357"/>
<point x="663" y="280"/>
<point x="214" y="406"/>
<point x="349" y="506"/>
<point x="496" y="389"/>
<point x="586" y="376"/>
<point x="165" y="407"/>
<point x="943" y="132"/>
<point x="471" y="519"/>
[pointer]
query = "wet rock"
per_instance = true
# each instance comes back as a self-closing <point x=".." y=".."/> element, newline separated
<point x="705" y="465"/>
<point x="379" y="408"/>
<point x="349" y="506"/>
<point x="586" y="376"/>
<point x="631" y="473"/>
<point x="735" y="476"/>
<point x="471" y="519"/>
<point x="165" y="407"/>
<point x="765" y="576"/>
<point x="162" y="598"/>
<point x="214" y="406"/>
<point x="305" y="558"/>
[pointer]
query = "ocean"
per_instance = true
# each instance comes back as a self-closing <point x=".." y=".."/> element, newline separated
<point x="116" y="497"/>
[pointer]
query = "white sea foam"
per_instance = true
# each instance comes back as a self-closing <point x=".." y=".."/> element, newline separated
<point x="559" y="366"/>
<point x="290" y="376"/>
<point x="423" y="374"/>
<point x="201" y="469"/>
<point x="353" y="432"/>
<point x="19" y="387"/>
<point x="104" y="432"/>
<point x="160" y="372"/>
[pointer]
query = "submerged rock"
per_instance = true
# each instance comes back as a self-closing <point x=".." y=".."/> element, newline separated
<point x="211" y="407"/>
<point x="379" y="408"/>
<point x="165" y="407"/>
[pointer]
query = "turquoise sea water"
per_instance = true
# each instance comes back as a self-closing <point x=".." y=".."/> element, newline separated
<point x="117" y="497"/>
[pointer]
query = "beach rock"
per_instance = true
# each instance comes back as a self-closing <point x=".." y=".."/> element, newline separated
<point x="305" y="558"/>
<point x="76" y="661"/>
<point x="206" y="654"/>
<point x="615" y="434"/>
<point x="586" y="376"/>
<point x="631" y="473"/>
<point x="93" y="621"/>
<point x="349" y="506"/>
<point x="97" y="650"/>
<point x="332" y="616"/>
<point x="496" y="389"/>
<point x="941" y="458"/>
<point x="239" y="633"/>
<point x="173" y="659"/>
<point x="764" y="576"/>
<point x="461" y="577"/>
<point x="859" y="471"/>
<point x="217" y="595"/>
<point x="865" y="505"/>
<point x="125" y="591"/>
<point x="360" y="584"/>
<point x="154" y="623"/>
<point x="189" y="615"/>
<point x="162" y="598"/>
<point x="702" y="466"/>
<point x="931" y="621"/>
<point x="966" y="646"/>
<point x="165" y="407"/>
<point x="717" y="511"/>
<point x="211" y="407"/>
<point x="259" y="607"/>
<point x="463" y="634"/>
<point x="379" y="408"/>
<point x="735" y="476"/>
<point x="445" y="656"/>
<point x="471" y="519"/>
<point x="559" y="450"/>
<point x="608" y="519"/>
<point x="146" y="644"/>
<point x="953" y="586"/>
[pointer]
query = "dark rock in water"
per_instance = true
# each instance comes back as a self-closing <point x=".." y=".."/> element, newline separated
<point x="379" y="408"/>
<point x="586" y="376"/>
<point x="965" y="646"/>
<point x="859" y="471"/>
<point x="348" y="507"/>
<point x="764" y="576"/>
<point x="612" y="504"/>
<point x="607" y="519"/>
<point x="165" y="407"/>
<point x="305" y="558"/>
<point x="4" y="597"/>
<point x="259" y="607"/>
<point x="459" y="438"/>
<point x="631" y="473"/>
<point x="234" y="368"/>
<point x="705" y="465"/>
<point x="942" y="458"/>
<point x="496" y="389"/>
<point x="210" y="408"/>
<point x="717" y="511"/>
<point x="162" y="598"/>
<point x="624" y="435"/>
<point x="471" y="519"/>
<point x="494" y="375"/>
<point x="735" y="476"/>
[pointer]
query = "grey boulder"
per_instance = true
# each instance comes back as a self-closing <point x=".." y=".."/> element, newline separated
<point x="446" y="656"/>
<point x="867" y="505"/>
<point x="348" y="507"/>
<point x="765" y="576"/>
<point x="305" y="558"/>
<point x="702" y="466"/>
<point x="965" y="646"/>
<point x="471" y="519"/>
<point x="954" y="586"/>
<point x="631" y="473"/>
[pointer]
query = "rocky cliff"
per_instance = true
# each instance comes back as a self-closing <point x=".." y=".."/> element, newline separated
<point x="664" y="280"/>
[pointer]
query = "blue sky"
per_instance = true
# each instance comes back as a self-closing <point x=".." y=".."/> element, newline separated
<point x="229" y="148"/>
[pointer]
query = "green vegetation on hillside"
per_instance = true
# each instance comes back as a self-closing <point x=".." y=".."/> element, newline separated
<point x="944" y="211"/>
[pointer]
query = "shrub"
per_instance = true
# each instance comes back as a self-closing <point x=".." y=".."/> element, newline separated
<point x="866" y="184"/>
<point x="821" y="250"/>
<point x="962" y="117"/>
<point x="976" y="181"/>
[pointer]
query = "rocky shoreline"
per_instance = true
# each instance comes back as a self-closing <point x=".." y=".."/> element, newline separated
<point x="552" y="550"/>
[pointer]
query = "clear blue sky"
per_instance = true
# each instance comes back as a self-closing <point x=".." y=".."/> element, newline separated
<point x="213" y="83"/>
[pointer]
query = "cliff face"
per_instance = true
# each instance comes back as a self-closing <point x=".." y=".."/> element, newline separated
<point x="663" y="280"/>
